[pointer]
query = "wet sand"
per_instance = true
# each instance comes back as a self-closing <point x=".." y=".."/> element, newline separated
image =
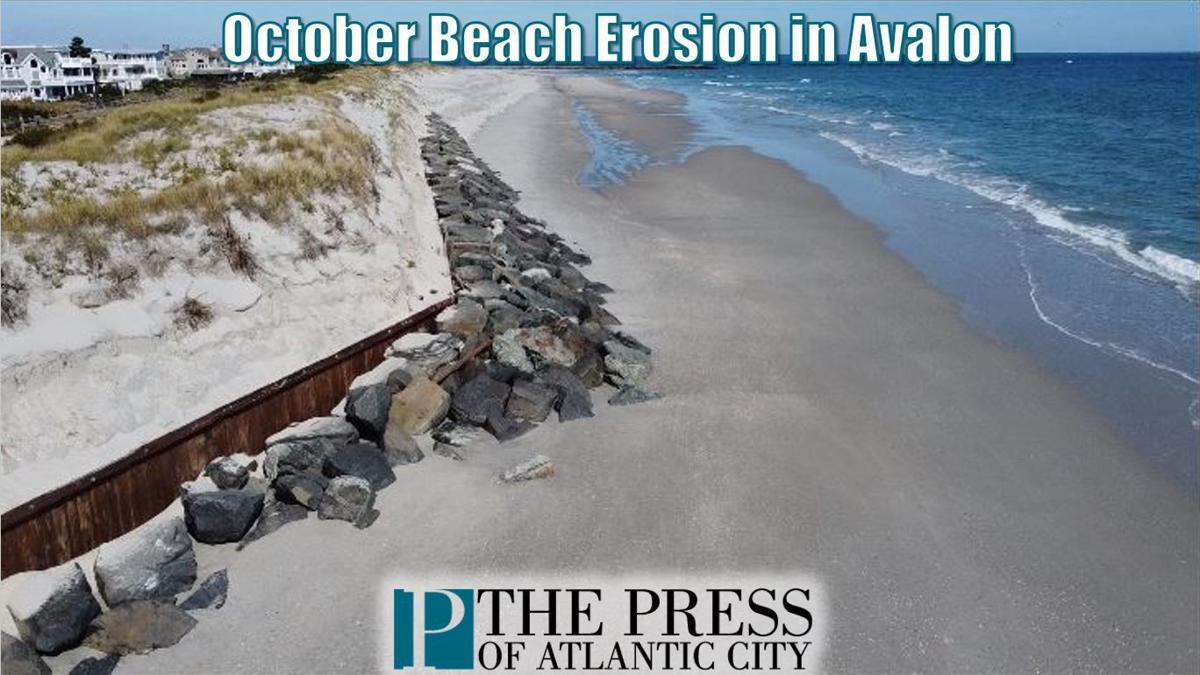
<point x="826" y="411"/>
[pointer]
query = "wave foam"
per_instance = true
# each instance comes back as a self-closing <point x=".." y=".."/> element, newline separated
<point x="1168" y="266"/>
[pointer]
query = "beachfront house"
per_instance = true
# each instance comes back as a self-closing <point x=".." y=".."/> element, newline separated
<point x="44" y="74"/>
<point x="130" y="70"/>
<point x="208" y="61"/>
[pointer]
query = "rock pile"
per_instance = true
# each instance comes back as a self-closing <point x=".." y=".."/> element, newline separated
<point x="527" y="336"/>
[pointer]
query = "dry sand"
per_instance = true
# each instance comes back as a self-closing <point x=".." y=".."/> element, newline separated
<point x="825" y="411"/>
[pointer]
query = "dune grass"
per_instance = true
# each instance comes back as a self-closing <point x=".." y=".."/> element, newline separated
<point x="330" y="157"/>
<point x="97" y="140"/>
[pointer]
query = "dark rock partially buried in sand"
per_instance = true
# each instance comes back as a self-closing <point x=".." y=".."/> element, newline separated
<point x="400" y="448"/>
<point x="297" y="457"/>
<point x="95" y="666"/>
<point x="210" y="594"/>
<point x="478" y="399"/>
<point x="52" y="608"/>
<point x="222" y="516"/>
<point x="349" y="498"/>
<point x="632" y="395"/>
<point x="304" y="489"/>
<point x="334" y="429"/>
<point x="20" y="659"/>
<point x="364" y="461"/>
<point x="531" y="401"/>
<point x="275" y="514"/>
<point x="155" y="561"/>
<point x="139" y="627"/>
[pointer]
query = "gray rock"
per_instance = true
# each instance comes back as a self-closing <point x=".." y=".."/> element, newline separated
<point x="139" y="627"/>
<point x="538" y="466"/>
<point x="275" y="514"/>
<point x="485" y="289"/>
<point x="20" y="659"/>
<point x="590" y="369"/>
<point x="154" y="561"/>
<point x="297" y="457"/>
<point x="574" y="406"/>
<point x="505" y="428"/>
<point x="425" y="353"/>
<point x="304" y="489"/>
<point x="478" y="399"/>
<point x="334" y="429"/>
<point x="630" y="341"/>
<point x="227" y="473"/>
<point x="572" y="277"/>
<point x="508" y="350"/>
<point x="531" y="401"/>
<point x="469" y="274"/>
<point x="633" y="394"/>
<point x="504" y="317"/>
<point x="547" y="347"/>
<point x="52" y="608"/>
<point x="367" y="409"/>
<point x="223" y="516"/>
<point x="364" y="461"/>
<point x="94" y="666"/>
<point x="210" y="594"/>
<point x="465" y="319"/>
<point x="348" y="498"/>
<point x="400" y="448"/>
<point x="419" y="407"/>
<point x="625" y="365"/>
<point x="574" y="400"/>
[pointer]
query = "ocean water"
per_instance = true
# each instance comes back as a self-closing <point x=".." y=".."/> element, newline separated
<point x="1055" y="198"/>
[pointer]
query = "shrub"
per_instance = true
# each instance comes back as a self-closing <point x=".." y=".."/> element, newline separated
<point x="191" y="314"/>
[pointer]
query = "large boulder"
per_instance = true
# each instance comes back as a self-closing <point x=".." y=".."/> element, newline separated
<point x="223" y="516"/>
<point x="425" y="353"/>
<point x="348" y="498"/>
<point x="362" y="460"/>
<point x="20" y="659"/>
<point x="334" y="429"/>
<point x="478" y="399"/>
<point x="139" y="627"/>
<point x="367" y="409"/>
<point x="152" y="562"/>
<point x="531" y="401"/>
<point x="574" y="400"/>
<point x="297" y="457"/>
<point x="626" y="365"/>
<point x="419" y="407"/>
<point x="227" y="473"/>
<point x="509" y="351"/>
<point x="52" y="608"/>
<point x="464" y="319"/>
<point x="304" y="489"/>
<point x="210" y="594"/>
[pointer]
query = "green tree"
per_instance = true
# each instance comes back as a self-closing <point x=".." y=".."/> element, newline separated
<point x="78" y="49"/>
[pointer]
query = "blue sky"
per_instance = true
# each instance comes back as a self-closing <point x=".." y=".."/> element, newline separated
<point x="1042" y="26"/>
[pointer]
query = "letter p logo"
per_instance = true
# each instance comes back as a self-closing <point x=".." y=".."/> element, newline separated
<point x="446" y="628"/>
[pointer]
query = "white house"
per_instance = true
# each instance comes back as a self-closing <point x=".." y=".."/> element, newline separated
<point x="130" y="70"/>
<point x="210" y="61"/>
<point x="44" y="74"/>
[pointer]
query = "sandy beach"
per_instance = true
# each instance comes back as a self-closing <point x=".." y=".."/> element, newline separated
<point x="826" y="411"/>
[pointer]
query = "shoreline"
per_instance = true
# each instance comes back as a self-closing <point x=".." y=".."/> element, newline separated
<point x="942" y="448"/>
